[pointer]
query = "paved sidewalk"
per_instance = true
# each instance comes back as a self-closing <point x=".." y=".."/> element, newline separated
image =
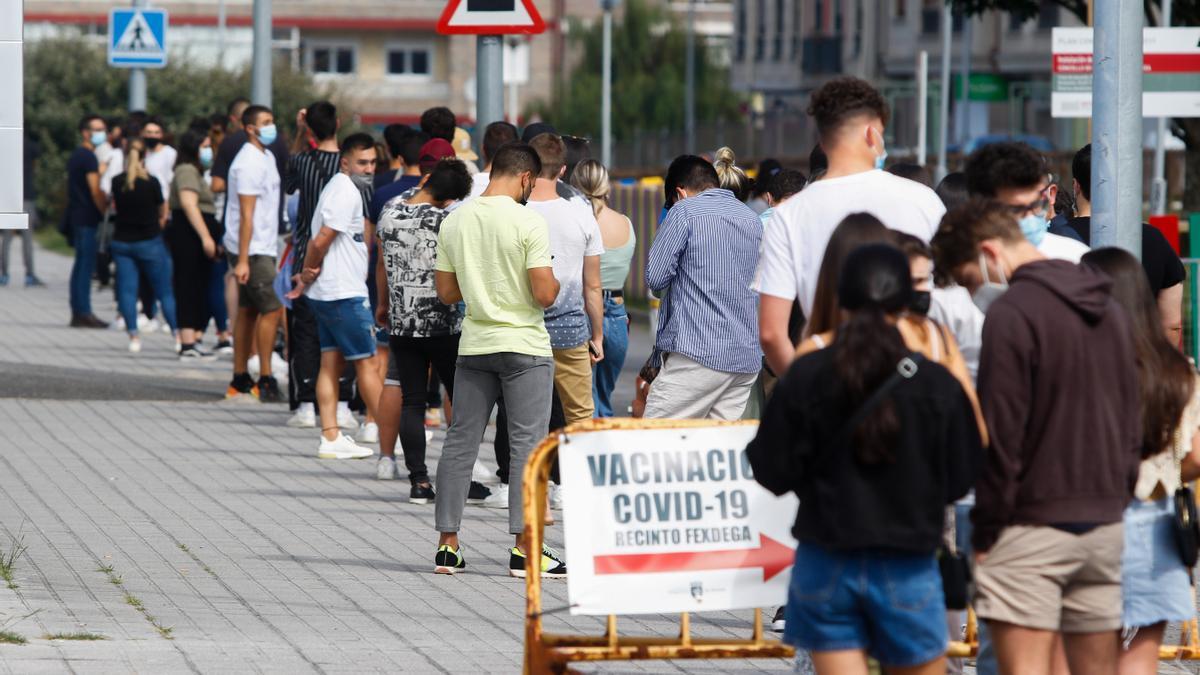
<point x="201" y="536"/>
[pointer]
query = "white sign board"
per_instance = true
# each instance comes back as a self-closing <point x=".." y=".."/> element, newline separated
<point x="671" y="520"/>
<point x="137" y="38"/>
<point x="1170" y="72"/>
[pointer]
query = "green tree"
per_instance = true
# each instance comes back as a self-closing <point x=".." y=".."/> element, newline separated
<point x="67" y="78"/>
<point x="1183" y="13"/>
<point x="649" y="62"/>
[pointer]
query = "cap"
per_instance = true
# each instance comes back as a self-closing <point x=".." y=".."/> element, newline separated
<point x="536" y="129"/>
<point x="462" y="145"/>
<point x="435" y="151"/>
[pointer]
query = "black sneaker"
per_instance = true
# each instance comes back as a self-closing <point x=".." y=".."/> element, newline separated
<point x="194" y="353"/>
<point x="421" y="493"/>
<point x="478" y="493"/>
<point x="448" y="561"/>
<point x="241" y="386"/>
<point x="224" y="348"/>
<point x="777" y="623"/>
<point x="552" y="566"/>
<point x="268" y="390"/>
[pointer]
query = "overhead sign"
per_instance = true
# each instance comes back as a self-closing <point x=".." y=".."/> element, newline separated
<point x="490" y="17"/>
<point x="671" y="520"/>
<point x="1170" y="72"/>
<point x="137" y="38"/>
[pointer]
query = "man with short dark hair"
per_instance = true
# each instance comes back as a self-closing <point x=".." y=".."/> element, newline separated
<point x="404" y="180"/>
<point x="496" y="136"/>
<point x="850" y="117"/>
<point x="439" y="122"/>
<point x="1163" y="267"/>
<point x="1057" y="357"/>
<point x="705" y="251"/>
<point x="252" y="244"/>
<point x="1015" y="175"/>
<point x="308" y="173"/>
<point x="394" y="136"/>
<point x="334" y="279"/>
<point x="494" y="254"/>
<point x="86" y="204"/>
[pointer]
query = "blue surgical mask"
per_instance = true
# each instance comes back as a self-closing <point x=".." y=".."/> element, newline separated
<point x="206" y="156"/>
<point x="881" y="160"/>
<point x="1034" y="226"/>
<point x="99" y="138"/>
<point x="267" y="134"/>
<point x="990" y="291"/>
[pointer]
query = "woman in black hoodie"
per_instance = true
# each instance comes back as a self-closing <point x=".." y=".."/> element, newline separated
<point x="876" y="441"/>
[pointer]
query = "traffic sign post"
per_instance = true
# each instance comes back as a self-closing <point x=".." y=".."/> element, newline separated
<point x="489" y="20"/>
<point x="137" y="39"/>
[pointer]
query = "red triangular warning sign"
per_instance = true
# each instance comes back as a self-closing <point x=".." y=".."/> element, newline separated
<point x="490" y="17"/>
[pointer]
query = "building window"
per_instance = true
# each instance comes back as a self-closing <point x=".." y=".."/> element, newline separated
<point x="410" y="60"/>
<point x="739" y="50"/>
<point x="760" y="40"/>
<point x="331" y="59"/>
<point x="797" y="42"/>
<point x="900" y="9"/>
<point x="777" y="45"/>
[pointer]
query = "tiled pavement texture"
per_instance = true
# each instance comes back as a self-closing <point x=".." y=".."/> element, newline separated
<point x="202" y="536"/>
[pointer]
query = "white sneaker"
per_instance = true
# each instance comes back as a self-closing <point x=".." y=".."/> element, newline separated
<point x="147" y="325"/>
<point x="346" y="419"/>
<point x="135" y="345"/>
<point x="279" y="365"/>
<point x="166" y="328"/>
<point x="385" y="468"/>
<point x="117" y="323"/>
<point x="367" y="433"/>
<point x="498" y="499"/>
<point x="556" y="496"/>
<point x="342" y="447"/>
<point x="429" y="435"/>
<point x="252" y="367"/>
<point x="305" y="418"/>
<point x="481" y="474"/>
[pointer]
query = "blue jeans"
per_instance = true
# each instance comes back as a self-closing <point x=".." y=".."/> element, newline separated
<point x="345" y="326"/>
<point x="86" y="245"/>
<point x="887" y="604"/>
<point x="149" y="257"/>
<point x="616" y="344"/>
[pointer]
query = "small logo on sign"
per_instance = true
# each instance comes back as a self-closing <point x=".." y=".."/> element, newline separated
<point x="697" y="591"/>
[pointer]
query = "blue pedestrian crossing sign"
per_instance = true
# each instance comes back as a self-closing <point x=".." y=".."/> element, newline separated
<point x="137" y="38"/>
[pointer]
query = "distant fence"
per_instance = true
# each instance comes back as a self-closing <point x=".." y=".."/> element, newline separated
<point x="642" y="201"/>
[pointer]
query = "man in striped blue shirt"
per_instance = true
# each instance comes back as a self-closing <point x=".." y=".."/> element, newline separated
<point x="705" y="253"/>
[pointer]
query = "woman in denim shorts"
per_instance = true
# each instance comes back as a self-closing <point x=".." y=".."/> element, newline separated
<point x="1154" y="582"/>
<point x="876" y="441"/>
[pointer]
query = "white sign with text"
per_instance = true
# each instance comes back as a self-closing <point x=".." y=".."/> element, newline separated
<point x="671" y="520"/>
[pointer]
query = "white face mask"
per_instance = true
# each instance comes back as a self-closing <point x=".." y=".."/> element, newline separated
<point x="990" y="291"/>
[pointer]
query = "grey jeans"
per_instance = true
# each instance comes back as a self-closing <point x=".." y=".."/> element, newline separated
<point x="526" y="383"/>
<point x="26" y="242"/>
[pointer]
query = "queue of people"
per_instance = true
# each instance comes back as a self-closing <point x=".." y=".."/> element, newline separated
<point x="919" y="355"/>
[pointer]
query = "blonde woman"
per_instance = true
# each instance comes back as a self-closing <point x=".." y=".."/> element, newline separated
<point x="137" y="246"/>
<point x="616" y="230"/>
<point x="732" y="176"/>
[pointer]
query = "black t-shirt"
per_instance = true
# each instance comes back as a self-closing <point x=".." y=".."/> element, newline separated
<point x="137" y="209"/>
<point x="384" y="177"/>
<point x="1163" y="267"/>
<point x="81" y="208"/>
<point x="32" y="150"/>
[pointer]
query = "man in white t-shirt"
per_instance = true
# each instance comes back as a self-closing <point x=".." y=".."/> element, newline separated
<point x="575" y="320"/>
<point x="334" y="279"/>
<point x="850" y="116"/>
<point x="251" y="243"/>
<point x="160" y="157"/>
<point x="1014" y="174"/>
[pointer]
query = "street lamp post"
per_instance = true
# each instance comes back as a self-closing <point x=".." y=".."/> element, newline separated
<point x="137" y="79"/>
<point x="606" y="87"/>
<point x="260" y="73"/>
<point x="689" y="105"/>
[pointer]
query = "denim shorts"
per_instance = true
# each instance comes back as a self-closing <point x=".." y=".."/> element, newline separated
<point x="887" y="604"/>
<point x="1154" y="582"/>
<point x="346" y="326"/>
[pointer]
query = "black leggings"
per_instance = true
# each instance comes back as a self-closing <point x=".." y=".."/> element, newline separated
<point x="192" y="273"/>
<point x="413" y="357"/>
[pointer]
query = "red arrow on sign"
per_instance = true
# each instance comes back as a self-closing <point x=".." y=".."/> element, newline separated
<point x="772" y="556"/>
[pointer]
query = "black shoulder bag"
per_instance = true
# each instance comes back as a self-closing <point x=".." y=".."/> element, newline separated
<point x="953" y="565"/>
<point x="1187" y="528"/>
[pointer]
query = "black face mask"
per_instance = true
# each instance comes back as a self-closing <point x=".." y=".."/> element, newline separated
<point x="920" y="302"/>
<point x="152" y="143"/>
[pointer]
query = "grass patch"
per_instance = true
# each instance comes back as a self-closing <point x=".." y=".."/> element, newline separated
<point x="52" y="240"/>
<point x="8" y="559"/>
<point x="83" y="637"/>
<point x="134" y="602"/>
<point x="7" y="637"/>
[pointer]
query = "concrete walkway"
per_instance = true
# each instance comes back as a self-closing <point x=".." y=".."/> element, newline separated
<point x="199" y="536"/>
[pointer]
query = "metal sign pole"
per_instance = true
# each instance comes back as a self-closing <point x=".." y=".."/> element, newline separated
<point x="922" y="105"/>
<point x="260" y="73"/>
<point x="606" y="88"/>
<point x="137" y="78"/>
<point x="1158" y="187"/>
<point x="689" y="101"/>
<point x="489" y="82"/>
<point x="1117" y="126"/>
<point x="944" y="99"/>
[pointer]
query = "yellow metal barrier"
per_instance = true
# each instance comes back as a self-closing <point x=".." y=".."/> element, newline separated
<point x="550" y="653"/>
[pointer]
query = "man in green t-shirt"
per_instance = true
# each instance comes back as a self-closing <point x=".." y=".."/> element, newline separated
<point x="494" y="255"/>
